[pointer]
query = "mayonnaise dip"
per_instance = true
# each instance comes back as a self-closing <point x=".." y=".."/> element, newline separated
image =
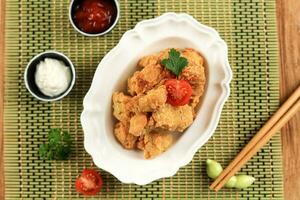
<point x="52" y="77"/>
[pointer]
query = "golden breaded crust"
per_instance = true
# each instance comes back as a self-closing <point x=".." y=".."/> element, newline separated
<point x="127" y="140"/>
<point x="137" y="124"/>
<point x="155" y="143"/>
<point x="193" y="57"/>
<point x="146" y="110"/>
<point x="195" y="75"/>
<point x="153" y="99"/>
<point x="166" y="74"/>
<point x="194" y="101"/>
<point x="140" y="143"/>
<point x="132" y="105"/>
<point x="144" y="80"/>
<point x="165" y="54"/>
<point x="119" y="106"/>
<point x="173" y="118"/>
<point x="148" y="60"/>
<point x="148" y="102"/>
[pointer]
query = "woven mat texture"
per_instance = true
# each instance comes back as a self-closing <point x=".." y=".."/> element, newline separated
<point x="32" y="26"/>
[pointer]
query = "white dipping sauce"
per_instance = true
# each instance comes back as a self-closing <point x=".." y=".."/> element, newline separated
<point x="52" y="77"/>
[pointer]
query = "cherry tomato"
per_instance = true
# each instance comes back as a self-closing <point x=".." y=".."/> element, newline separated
<point x="89" y="182"/>
<point x="179" y="92"/>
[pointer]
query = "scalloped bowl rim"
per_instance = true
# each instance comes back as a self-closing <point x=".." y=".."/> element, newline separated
<point x="169" y="169"/>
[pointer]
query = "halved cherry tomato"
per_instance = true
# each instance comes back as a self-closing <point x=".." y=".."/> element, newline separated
<point x="89" y="182"/>
<point x="179" y="92"/>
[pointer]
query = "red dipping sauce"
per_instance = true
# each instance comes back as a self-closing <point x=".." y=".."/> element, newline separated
<point x="94" y="16"/>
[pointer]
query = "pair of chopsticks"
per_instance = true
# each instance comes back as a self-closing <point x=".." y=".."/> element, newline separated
<point x="275" y="123"/>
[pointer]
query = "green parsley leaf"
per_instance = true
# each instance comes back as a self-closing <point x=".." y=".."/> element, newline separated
<point x="58" y="146"/>
<point x="175" y="63"/>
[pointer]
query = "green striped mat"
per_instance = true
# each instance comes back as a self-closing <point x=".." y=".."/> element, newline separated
<point x="249" y="28"/>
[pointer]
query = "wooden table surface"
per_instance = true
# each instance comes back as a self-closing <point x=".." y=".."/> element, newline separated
<point x="288" y="17"/>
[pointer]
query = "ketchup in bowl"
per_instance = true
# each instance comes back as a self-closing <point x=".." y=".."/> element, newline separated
<point x="94" y="16"/>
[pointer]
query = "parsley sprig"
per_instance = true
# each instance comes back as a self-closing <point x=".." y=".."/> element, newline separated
<point x="58" y="146"/>
<point x="175" y="63"/>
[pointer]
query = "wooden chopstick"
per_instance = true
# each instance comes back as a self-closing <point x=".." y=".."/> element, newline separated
<point x="283" y="114"/>
<point x="260" y="144"/>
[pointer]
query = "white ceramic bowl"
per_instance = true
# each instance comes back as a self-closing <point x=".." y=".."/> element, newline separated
<point x="150" y="36"/>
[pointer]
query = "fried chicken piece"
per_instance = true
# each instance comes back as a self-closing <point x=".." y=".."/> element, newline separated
<point x="151" y="123"/>
<point x="132" y="105"/>
<point x="137" y="124"/>
<point x="172" y="118"/>
<point x="148" y="60"/>
<point x="151" y="75"/>
<point x="119" y="106"/>
<point x="193" y="57"/>
<point x="140" y="143"/>
<point x="166" y="74"/>
<point x="144" y="80"/>
<point x="146" y="111"/>
<point x="153" y="99"/>
<point x="165" y="53"/>
<point x="194" y="100"/>
<point x="127" y="140"/>
<point x="195" y="75"/>
<point x="148" y="102"/>
<point x="154" y="143"/>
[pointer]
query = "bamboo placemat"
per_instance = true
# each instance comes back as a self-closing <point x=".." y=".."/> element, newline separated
<point x="249" y="28"/>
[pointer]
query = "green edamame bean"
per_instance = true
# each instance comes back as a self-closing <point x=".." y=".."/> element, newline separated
<point x="243" y="181"/>
<point x="231" y="182"/>
<point x="213" y="168"/>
